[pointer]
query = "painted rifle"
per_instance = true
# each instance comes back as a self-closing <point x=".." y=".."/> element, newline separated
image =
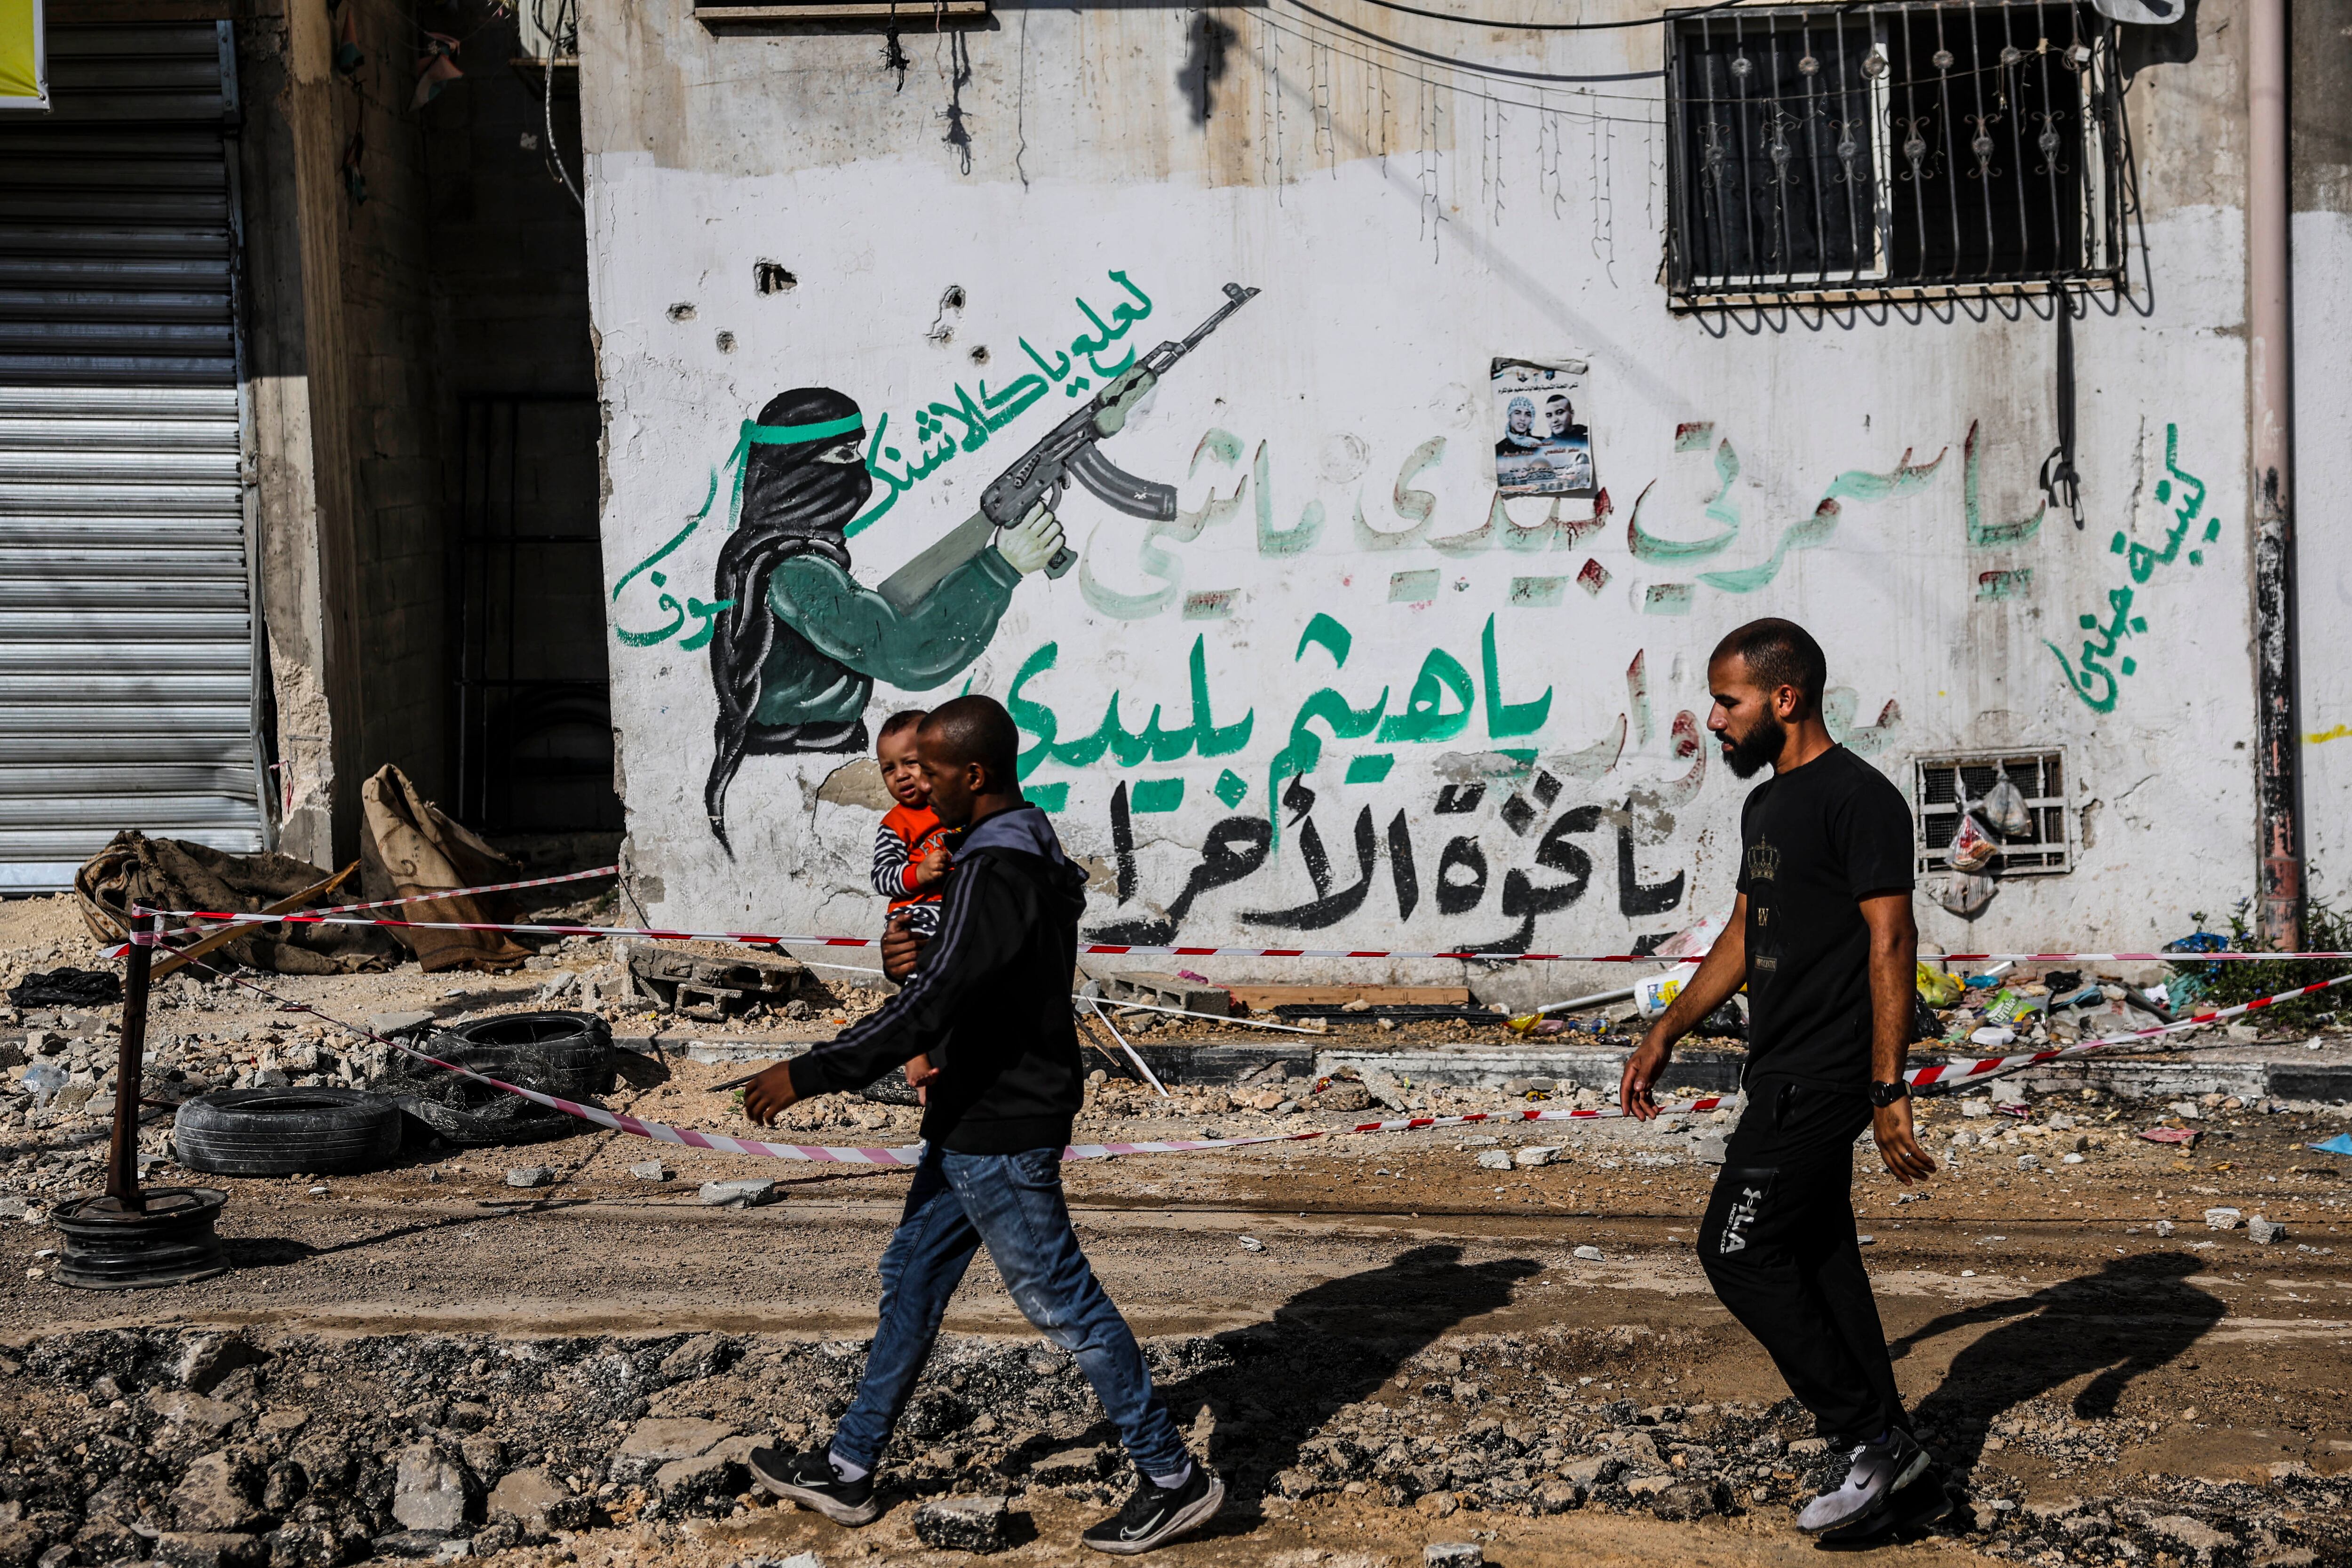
<point x="1071" y="450"/>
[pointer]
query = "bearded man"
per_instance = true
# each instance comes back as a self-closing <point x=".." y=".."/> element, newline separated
<point x="1823" y="938"/>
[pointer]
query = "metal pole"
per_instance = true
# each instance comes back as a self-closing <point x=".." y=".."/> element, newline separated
<point x="130" y="1069"/>
<point x="2278" y="837"/>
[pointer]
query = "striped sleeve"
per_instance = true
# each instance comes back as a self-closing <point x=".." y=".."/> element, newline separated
<point x="890" y="863"/>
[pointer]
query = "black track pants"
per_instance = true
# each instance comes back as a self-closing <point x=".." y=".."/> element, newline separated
<point x="1778" y="1244"/>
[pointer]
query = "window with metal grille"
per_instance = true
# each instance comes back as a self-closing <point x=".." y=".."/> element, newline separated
<point x="1893" y="150"/>
<point x="2045" y="849"/>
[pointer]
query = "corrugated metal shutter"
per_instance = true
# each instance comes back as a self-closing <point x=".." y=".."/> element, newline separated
<point x="127" y="695"/>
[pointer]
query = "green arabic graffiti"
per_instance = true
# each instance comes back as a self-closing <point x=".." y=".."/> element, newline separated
<point x="2088" y="675"/>
<point x="937" y="440"/>
<point x="1203" y="735"/>
<point x="1983" y="535"/>
<point x="1720" y="507"/>
<point x="1855" y="484"/>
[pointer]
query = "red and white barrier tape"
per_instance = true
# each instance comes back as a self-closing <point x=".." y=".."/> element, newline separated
<point x="468" y="892"/>
<point x="1125" y="950"/>
<point x="688" y="1137"/>
<point x="140" y="912"/>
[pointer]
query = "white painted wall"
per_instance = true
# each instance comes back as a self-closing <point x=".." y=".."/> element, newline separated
<point x="1381" y="310"/>
<point x="2323" y="453"/>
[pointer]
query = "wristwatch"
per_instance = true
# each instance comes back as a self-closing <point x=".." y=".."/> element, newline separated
<point x="1883" y="1095"/>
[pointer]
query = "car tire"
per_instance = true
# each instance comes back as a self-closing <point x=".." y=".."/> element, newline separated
<point x="286" y="1131"/>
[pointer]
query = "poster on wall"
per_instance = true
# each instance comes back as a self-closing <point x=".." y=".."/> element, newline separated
<point x="1543" y="446"/>
<point x="23" y="74"/>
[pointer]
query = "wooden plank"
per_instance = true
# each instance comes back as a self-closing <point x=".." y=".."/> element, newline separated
<point x="285" y="906"/>
<point x="1257" y="998"/>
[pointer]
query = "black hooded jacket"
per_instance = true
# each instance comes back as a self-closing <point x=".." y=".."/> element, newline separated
<point x="991" y="1002"/>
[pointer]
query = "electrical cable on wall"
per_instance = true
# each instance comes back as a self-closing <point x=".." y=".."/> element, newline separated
<point x="1436" y="59"/>
<point x="2059" y="483"/>
<point x="1554" y="26"/>
<point x="554" y="41"/>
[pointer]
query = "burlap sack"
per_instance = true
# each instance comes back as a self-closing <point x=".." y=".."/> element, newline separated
<point x="409" y="846"/>
<point x="173" y="874"/>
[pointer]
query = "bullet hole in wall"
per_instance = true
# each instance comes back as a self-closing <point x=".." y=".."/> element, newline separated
<point x="681" y="311"/>
<point x="726" y="342"/>
<point x="772" y="278"/>
<point x="943" y="325"/>
<point x="980" y="353"/>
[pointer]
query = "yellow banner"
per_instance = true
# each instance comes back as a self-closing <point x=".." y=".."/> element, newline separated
<point x="24" y="81"/>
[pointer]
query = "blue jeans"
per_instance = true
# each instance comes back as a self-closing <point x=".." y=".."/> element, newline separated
<point x="1012" y="1204"/>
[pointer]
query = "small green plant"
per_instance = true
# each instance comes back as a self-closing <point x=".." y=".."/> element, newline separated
<point x="2324" y="930"/>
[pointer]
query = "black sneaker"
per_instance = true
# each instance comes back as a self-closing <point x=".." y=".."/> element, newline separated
<point x="1156" y="1515"/>
<point x="809" y="1480"/>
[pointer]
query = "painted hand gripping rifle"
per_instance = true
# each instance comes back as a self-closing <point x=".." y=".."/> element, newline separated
<point x="1071" y="450"/>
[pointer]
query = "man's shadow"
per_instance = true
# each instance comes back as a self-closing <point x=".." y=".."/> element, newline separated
<point x="2132" y="1317"/>
<point x="1329" y="1346"/>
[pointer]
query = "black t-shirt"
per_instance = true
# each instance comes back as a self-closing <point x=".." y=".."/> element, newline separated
<point x="1814" y="841"/>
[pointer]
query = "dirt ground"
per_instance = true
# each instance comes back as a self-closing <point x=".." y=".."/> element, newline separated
<point x="1384" y="1342"/>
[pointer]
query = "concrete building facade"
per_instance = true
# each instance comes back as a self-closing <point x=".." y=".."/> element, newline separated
<point x="1390" y="674"/>
<point x="297" y="430"/>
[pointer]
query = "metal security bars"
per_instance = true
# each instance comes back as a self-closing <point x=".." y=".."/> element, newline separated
<point x="2044" y="849"/>
<point x="1898" y="151"/>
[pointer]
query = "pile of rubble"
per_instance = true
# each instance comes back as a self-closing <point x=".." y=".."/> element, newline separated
<point x="211" y="1450"/>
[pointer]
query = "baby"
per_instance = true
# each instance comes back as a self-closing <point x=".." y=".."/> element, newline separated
<point x="909" y="860"/>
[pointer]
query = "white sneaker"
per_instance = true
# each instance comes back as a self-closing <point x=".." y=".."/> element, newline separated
<point x="1875" y="1472"/>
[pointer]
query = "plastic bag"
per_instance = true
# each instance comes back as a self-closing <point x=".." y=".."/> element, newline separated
<point x="1939" y="989"/>
<point x="2004" y="810"/>
<point x="1966" y="896"/>
<point x="1972" y="847"/>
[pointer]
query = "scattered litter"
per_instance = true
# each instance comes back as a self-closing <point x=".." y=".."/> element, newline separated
<point x="42" y="1080"/>
<point x="1972" y="848"/>
<point x="2339" y="1144"/>
<point x="2014" y="1108"/>
<point x="1937" y="988"/>
<point x="531" y="1176"/>
<point x="2172" y="1135"/>
<point x="1866" y="1240"/>
<point x="68" y="987"/>
<point x="1252" y="1244"/>
<point x="1966" y="894"/>
<point x="1976" y="1107"/>
<point x="1994" y="1036"/>
<point x="1590" y="1254"/>
<point x="318" y="1192"/>
<point x="2005" y="810"/>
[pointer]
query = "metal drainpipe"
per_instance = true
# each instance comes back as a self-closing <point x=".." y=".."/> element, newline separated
<point x="2277" y="829"/>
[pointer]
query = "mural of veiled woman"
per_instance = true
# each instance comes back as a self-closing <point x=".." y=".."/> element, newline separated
<point x="796" y="651"/>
